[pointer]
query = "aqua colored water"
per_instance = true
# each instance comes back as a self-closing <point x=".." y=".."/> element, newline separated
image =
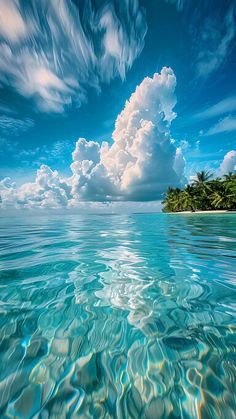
<point x="118" y="316"/>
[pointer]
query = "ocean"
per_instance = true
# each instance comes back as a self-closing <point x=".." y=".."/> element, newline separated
<point x="118" y="316"/>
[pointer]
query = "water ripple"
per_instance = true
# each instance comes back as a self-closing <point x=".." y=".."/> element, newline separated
<point x="118" y="317"/>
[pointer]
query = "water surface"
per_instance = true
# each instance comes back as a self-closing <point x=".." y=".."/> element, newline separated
<point x="118" y="316"/>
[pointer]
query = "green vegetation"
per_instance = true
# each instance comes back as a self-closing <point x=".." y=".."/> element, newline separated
<point x="203" y="194"/>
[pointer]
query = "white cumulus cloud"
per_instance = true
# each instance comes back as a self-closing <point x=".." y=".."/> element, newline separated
<point x="229" y="163"/>
<point x="47" y="191"/>
<point x="142" y="161"/>
<point x="139" y="165"/>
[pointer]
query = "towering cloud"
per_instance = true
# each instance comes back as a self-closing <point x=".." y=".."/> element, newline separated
<point x="142" y="161"/>
<point x="139" y="165"/>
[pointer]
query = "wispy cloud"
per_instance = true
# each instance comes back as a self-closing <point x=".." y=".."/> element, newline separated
<point x="226" y="124"/>
<point x="178" y="3"/>
<point x="58" y="151"/>
<point x="12" y="24"/>
<point x="215" y="43"/>
<point x="53" y="51"/>
<point x="220" y="108"/>
<point x="7" y="146"/>
<point x="6" y="109"/>
<point x="14" y="126"/>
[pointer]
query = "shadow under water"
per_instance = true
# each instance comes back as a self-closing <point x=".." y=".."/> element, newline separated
<point x="123" y="316"/>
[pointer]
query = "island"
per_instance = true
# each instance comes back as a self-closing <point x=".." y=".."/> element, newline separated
<point x="203" y="194"/>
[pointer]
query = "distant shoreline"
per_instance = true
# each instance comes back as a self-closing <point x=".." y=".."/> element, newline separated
<point x="203" y="212"/>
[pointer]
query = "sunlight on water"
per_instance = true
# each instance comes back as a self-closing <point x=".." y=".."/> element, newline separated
<point x="118" y="316"/>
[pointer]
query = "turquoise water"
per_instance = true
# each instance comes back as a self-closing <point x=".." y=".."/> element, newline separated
<point x="118" y="316"/>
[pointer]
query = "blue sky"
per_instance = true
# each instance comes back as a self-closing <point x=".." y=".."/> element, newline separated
<point x="67" y="69"/>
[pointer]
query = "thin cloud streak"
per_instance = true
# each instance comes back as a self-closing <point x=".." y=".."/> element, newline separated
<point x="179" y="4"/>
<point x="226" y="124"/>
<point x="220" y="108"/>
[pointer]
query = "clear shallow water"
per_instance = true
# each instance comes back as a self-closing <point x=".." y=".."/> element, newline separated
<point x="118" y="316"/>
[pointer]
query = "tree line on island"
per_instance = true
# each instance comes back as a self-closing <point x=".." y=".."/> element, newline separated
<point x="203" y="194"/>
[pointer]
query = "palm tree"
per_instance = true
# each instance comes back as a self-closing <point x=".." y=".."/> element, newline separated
<point x="203" y="189"/>
<point x="202" y="177"/>
<point x="203" y="194"/>
<point x="167" y="204"/>
<point x="230" y="177"/>
<point x="177" y="200"/>
<point x="188" y="198"/>
<point x="172" y="200"/>
<point x="224" y="197"/>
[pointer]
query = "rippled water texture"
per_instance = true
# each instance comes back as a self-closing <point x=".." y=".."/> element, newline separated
<point x="118" y="316"/>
